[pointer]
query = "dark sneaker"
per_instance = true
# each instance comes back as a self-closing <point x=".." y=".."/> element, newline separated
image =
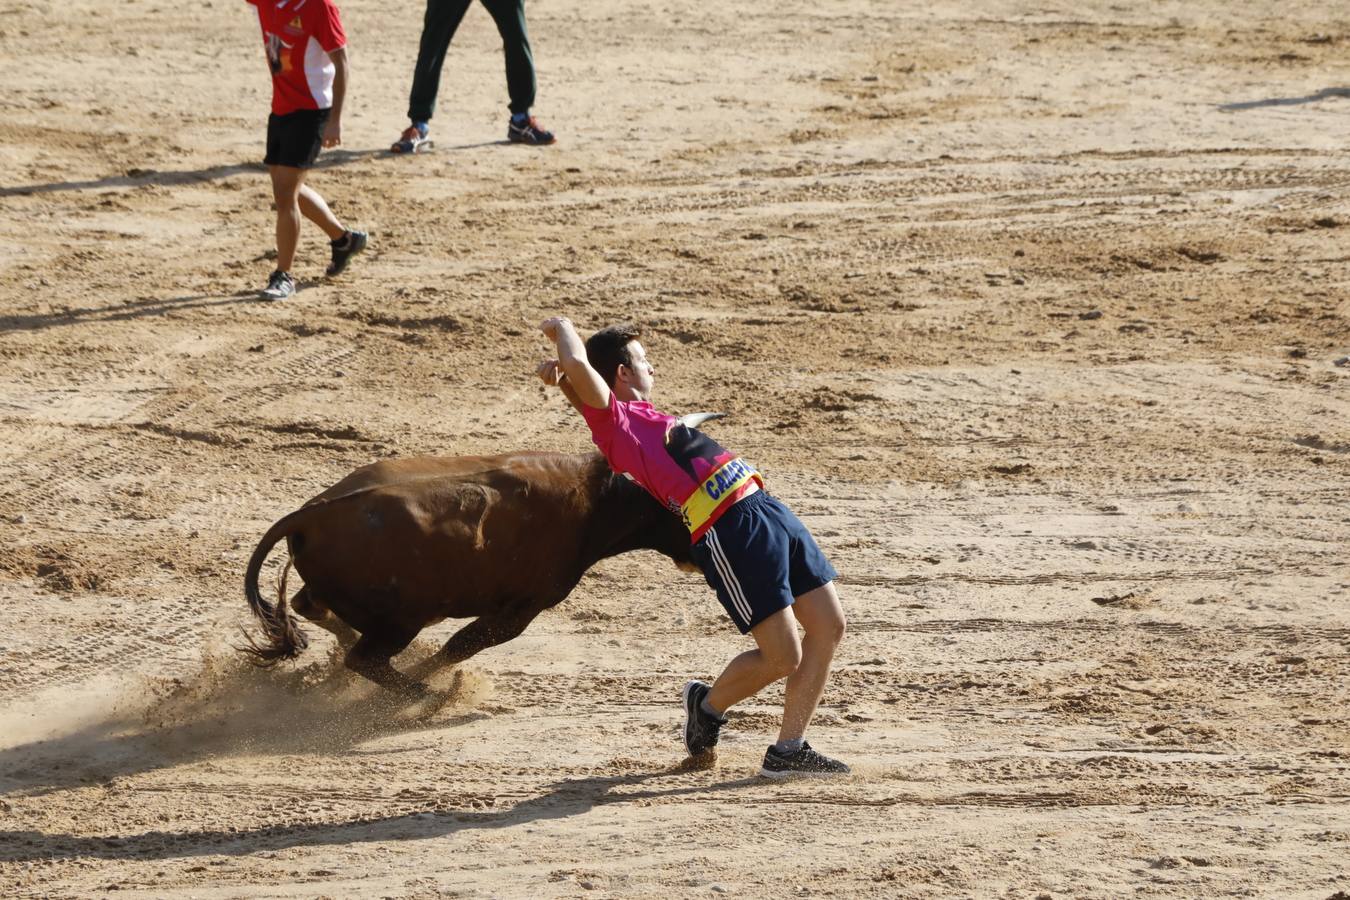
<point x="529" y="131"/>
<point x="279" y="286"/>
<point x="804" y="762"/>
<point x="413" y="139"/>
<point x="700" y="729"/>
<point x="344" y="248"/>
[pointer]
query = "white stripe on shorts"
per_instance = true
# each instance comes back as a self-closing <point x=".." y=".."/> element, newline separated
<point x="733" y="586"/>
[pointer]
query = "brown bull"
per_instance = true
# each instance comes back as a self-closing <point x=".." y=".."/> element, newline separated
<point x="402" y="544"/>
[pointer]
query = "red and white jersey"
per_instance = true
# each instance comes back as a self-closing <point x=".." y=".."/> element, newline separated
<point x="298" y="36"/>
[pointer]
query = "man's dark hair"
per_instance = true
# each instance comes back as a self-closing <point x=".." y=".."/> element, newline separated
<point x="607" y="349"/>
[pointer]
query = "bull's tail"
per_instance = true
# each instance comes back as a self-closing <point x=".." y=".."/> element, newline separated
<point x="281" y="634"/>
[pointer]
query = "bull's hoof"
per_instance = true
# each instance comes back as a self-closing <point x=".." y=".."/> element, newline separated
<point x="431" y="704"/>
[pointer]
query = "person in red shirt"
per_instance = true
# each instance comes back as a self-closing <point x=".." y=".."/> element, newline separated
<point x="307" y="53"/>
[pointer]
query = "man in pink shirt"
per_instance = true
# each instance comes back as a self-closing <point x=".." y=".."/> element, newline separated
<point x="307" y="53"/>
<point x="766" y="569"/>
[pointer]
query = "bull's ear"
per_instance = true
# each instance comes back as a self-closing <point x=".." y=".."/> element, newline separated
<point x="694" y="420"/>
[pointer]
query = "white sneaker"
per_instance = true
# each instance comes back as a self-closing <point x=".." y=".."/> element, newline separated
<point x="279" y="286"/>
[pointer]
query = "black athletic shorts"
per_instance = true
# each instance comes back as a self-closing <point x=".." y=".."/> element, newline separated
<point x="295" y="139"/>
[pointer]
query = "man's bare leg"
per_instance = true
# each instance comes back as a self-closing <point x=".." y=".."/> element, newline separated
<point x="778" y="655"/>
<point x="805" y="662"/>
<point x="315" y="208"/>
<point x="823" y="620"/>
<point x="286" y="184"/>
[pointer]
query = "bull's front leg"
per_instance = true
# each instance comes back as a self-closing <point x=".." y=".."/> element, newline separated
<point x="480" y="634"/>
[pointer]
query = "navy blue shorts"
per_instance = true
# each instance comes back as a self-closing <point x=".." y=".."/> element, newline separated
<point x="758" y="558"/>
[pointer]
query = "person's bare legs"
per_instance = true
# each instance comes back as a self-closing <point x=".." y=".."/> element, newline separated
<point x="778" y="655"/>
<point x="315" y="208"/>
<point x="823" y="620"/>
<point x="286" y="184"/>
<point x="805" y="662"/>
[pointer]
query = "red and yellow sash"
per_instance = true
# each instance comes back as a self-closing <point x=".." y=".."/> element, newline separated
<point x="723" y="483"/>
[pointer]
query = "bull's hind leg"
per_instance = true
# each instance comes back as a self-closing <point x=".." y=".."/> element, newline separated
<point x="478" y="635"/>
<point x="305" y="605"/>
<point x="370" y="657"/>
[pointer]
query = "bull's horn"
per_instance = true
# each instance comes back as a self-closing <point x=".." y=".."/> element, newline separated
<point x="694" y="420"/>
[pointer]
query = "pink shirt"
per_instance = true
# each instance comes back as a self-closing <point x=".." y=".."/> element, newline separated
<point x="668" y="459"/>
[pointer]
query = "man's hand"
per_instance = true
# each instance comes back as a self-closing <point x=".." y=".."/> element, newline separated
<point x="550" y="373"/>
<point x="332" y="132"/>
<point x="581" y="383"/>
<point x="554" y="326"/>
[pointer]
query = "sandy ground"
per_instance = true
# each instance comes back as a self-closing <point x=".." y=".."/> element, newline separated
<point x="1031" y="312"/>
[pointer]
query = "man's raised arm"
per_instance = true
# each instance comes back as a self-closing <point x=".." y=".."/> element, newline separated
<point x="584" y="382"/>
<point x="551" y="374"/>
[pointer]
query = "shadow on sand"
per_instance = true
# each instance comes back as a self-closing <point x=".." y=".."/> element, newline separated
<point x="135" y="309"/>
<point x="1324" y="94"/>
<point x="174" y="178"/>
<point x="561" y="800"/>
<point x="231" y="708"/>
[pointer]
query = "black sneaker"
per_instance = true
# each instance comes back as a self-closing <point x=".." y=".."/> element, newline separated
<point x="529" y="131"/>
<point x="279" y="286"/>
<point x="344" y="248"/>
<point x="700" y="729"/>
<point x="804" y="762"/>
